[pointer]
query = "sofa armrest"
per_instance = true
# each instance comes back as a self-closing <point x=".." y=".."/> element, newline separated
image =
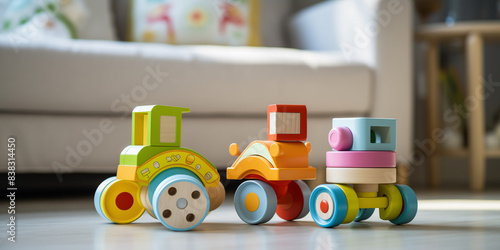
<point x="376" y="33"/>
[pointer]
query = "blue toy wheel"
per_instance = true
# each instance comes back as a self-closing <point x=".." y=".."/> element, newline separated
<point x="364" y="213"/>
<point x="255" y="202"/>
<point x="328" y="205"/>
<point x="410" y="205"/>
<point x="180" y="202"/>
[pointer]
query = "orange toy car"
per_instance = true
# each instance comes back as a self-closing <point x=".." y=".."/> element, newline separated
<point x="276" y="168"/>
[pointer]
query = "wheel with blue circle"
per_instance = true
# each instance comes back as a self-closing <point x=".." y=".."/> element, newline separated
<point x="255" y="202"/>
<point x="328" y="205"/>
<point x="364" y="213"/>
<point x="295" y="203"/>
<point x="180" y="202"/>
<point x="410" y="205"/>
<point x="118" y="200"/>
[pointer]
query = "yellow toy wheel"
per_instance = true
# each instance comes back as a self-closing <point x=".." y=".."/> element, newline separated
<point x="119" y="201"/>
<point x="352" y="203"/>
<point x="395" y="202"/>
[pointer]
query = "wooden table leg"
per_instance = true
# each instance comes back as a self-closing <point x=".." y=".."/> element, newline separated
<point x="433" y="109"/>
<point x="475" y="104"/>
<point x="403" y="173"/>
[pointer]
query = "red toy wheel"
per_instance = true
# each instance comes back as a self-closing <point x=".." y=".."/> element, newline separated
<point x="295" y="203"/>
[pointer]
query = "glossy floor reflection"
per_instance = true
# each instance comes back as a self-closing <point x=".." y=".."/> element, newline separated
<point x="445" y="220"/>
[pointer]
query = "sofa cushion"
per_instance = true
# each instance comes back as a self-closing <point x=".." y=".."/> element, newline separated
<point x="222" y="22"/>
<point x="29" y="20"/>
<point x="274" y="14"/>
<point x="109" y="77"/>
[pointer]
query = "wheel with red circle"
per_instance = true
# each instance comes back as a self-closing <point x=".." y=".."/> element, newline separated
<point x="328" y="205"/>
<point x="295" y="203"/>
<point x="118" y="200"/>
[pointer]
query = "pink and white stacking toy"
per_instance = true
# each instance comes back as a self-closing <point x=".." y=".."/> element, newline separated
<point x="363" y="155"/>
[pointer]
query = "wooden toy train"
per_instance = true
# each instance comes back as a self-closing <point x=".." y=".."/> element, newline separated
<point x="179" y="187"/>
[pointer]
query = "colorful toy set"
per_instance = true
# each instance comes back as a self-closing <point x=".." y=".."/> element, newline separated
<point x="363" y="156"/>
<point x="173" y="184"/>
<point x="277" y="167"/>
<point x="179" y="187"/>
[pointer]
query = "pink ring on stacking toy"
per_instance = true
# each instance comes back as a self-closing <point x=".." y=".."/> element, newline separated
<point x="361" y="159"/>
<point x="340" y="138"/>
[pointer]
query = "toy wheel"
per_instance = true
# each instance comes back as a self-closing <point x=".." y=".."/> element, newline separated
<point x="145" y="201"/>
<point x="180" y="202"/>
<point x="118" y="200"/>
<point x="295" y="203"/>
<point x="328" y="205"/>
<point x="97" y="196"/>
<point x="255" y="202"/>
<point x="352" y="203"/>
<point x="216" y="196"/>
<point x="395" y="202"/>
<point x="410" y="205"/>
<point x="364" y="213"/>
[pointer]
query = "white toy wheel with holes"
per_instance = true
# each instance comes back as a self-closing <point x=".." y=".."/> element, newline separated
<point x="180" y="202"/>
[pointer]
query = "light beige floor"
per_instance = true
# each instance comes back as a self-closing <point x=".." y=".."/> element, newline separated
<point x="457" y="220"/>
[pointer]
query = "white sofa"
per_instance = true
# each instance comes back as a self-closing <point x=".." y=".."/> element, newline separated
<point x="58" y="96"/>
